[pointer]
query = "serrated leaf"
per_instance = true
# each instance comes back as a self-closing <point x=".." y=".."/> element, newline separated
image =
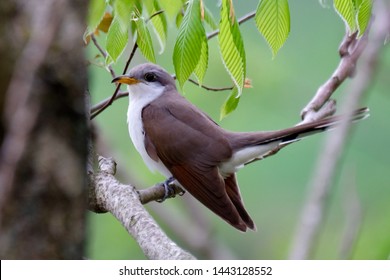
<point x="273" y="22"/>
<point x="117" y="38"/>
<point x="356" y="4"/>
<point x="137" y="12"/>
<point x="172" y="8"/>
<point x="187" y="50"/>
<point x="346" y="10"/>
<point x="96" y="11"/>
<point x="159" y="23"/>
<point x="138" y="6"/>
<point x="363" y="16"/>
<point x="231" y="45"/>
<point x="230" y="103"/>
<point x="118" y="35"/>
<point x="144" y="40"/>
<point x="123" y="9"/>
<point x="200" y="69"/>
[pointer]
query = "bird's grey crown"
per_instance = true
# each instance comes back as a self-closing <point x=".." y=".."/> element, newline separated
<point x="140" y="72"/>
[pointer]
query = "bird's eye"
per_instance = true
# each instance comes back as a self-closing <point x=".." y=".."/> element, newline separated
<point x="150" y="77"/>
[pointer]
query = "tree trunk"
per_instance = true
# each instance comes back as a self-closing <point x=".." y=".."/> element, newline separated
<point x="43" y="129"/>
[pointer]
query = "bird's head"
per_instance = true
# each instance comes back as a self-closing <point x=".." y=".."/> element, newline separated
<point x="145" y="78"/>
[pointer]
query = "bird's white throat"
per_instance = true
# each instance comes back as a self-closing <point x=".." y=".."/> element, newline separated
<point x="140" y="95"/>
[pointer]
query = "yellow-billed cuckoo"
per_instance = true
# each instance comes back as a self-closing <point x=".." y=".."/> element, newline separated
<point x="177" y="139"/>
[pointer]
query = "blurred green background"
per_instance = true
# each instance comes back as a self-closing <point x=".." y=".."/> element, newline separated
<point x="274" y="189"/>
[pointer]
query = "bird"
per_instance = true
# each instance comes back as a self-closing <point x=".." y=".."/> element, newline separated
<point x="180" y="141"/>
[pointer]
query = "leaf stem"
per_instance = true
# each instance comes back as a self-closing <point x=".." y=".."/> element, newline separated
<point x="242" y="19"/>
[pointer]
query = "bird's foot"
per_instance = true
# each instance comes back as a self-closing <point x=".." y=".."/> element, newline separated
<point x="170" y="190"/>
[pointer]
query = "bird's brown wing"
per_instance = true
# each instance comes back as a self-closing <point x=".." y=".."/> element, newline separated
<point x="234" y="194"/>
<point x="191" y="149"/>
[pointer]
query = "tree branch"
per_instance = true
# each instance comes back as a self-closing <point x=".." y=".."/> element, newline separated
<point x="103" y="53"/>
<point x="350" y="50"/>
<point x="97" y="109"/>
<point x="321" y="105"/>
<point x="113" y="97"/>
<point x="353" y="217"/>
<point x="123" y="201"/>
<point x="157" y="193"/>
<point x="313" y="212"/>
<point x="209" y="88"/>
<point x="194" y="229"/>
<point x="102" y="103"/>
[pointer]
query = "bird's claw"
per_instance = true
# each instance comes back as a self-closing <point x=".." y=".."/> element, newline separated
<point x="169" y="190"/>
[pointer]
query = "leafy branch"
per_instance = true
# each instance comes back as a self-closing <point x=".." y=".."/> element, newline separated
<point x="102" y="105"/>
<point x="98" y="109"/>
<point x="190" y="54"/>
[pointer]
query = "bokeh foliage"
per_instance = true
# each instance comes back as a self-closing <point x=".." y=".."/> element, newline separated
<point x="273" y="189"/>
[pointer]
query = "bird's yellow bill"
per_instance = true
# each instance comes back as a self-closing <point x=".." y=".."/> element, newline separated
<point x="125" y="80"/>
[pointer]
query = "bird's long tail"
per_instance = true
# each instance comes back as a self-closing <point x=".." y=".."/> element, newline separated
<point x="252" y="146"/>
<point x="321" y="125"/>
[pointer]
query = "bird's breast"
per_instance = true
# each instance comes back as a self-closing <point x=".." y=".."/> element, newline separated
<point x="137" y="135"/>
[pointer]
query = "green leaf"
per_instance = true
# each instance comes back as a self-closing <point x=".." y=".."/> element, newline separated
<point x="137" y="12"/>
<point x="230" y="103"/>
<point x="347" y="12"/>
<point x="138" y="6"/>
<point x="172" y="7"/>
<point x="179" y="18"/>
<point x="95" y="14"/>
<point x="118" y="33"/>
<point x="188" y="46"/>
<point x="363" y="15"/>
<point x="200" y="69"/>
<point x="356" y="4"/>
<point x="144" y="40"/>
<point x="159" y="23"/>
<point x="273" y="22"/>
<point x="117" y="37"/>
<point x="209" y="18"/>
<point x="231" y="45"/>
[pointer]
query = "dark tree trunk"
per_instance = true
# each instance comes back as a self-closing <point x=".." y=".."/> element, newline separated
<point x="43" y="129"/>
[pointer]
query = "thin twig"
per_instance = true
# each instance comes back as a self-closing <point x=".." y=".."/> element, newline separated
<point x="113" y="97"/>
<point x="157" y="193"/>
<point x="241" y="20"/>
<point x="353" y="217"/>
<point x="154" y="14"/>
<point x="313" y="212"/>
<point x="102" y="103"/>
<point x="350" y="50"/>
<point x="210" y="88"/>
<point x="104" y="54"/>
